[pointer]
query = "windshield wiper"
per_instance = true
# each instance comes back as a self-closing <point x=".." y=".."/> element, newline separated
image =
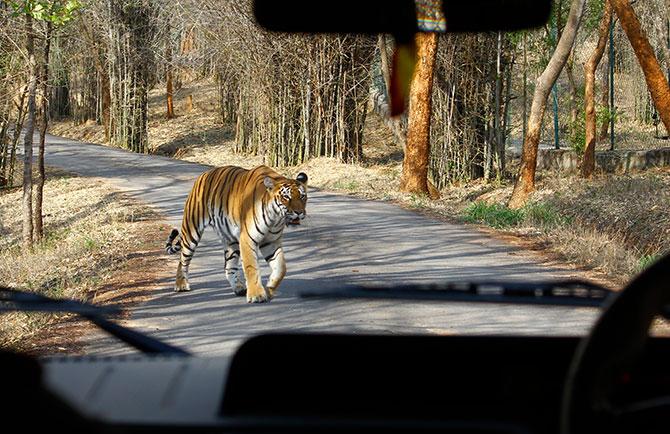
<point x="14" y="300"/>
<point x="569" y="292"/>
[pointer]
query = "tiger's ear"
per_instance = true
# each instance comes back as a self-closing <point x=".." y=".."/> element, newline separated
<point x="302" y="177"/>
<point x="269" y="183"/>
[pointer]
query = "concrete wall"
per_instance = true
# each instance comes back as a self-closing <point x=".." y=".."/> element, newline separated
<point x="566" y="160"/>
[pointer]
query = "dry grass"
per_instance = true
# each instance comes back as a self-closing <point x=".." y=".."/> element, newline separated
<point x="218" y="155"/>
<point x="89" y="132"/>
<point x="192" y="128"/>
<point x="89" y="232"/>
<point x="616" y="224"/>
<point x="635" y="208"/>
<point x="595" y="250"/>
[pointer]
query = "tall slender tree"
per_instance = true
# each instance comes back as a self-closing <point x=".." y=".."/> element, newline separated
<point x="51" y="13"/>
<point x="588" y="161"/>
<point x="169" y="88"/>
<point x="29" y="131"/>
<point x="39" y="187"/>
<point x="525" y="182"/>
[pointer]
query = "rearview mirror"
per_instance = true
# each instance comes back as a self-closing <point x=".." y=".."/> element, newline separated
<point x="400" y="16"/>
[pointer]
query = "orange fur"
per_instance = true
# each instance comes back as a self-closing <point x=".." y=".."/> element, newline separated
<point x="249" y="210"/>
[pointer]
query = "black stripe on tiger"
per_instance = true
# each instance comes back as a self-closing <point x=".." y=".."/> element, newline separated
<point x="270" y="257"/>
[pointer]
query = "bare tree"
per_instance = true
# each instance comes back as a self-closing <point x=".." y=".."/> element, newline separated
<point x="28" y="138"/>
<point x="525" y="182"/>
<point x="131" y="62"/>
<point x="588" y="161"/>
<point x="169" y="90"/>
<point x="44" y="79"/>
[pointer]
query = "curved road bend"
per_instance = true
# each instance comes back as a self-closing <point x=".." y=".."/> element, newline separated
<point x="343" y="240"/>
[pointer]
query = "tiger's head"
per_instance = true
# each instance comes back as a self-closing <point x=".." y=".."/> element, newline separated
<point x="290" y="196"/>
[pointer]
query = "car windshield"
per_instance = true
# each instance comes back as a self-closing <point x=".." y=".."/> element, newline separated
<point x="211" y="179"/>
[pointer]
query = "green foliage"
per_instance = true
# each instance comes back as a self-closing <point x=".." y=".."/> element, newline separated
<point x="646" y="261"/>
<point x="500" y="216"/>
<point x="348" y="185"/>
<point x="494" y="215"/>
<point x="516" y="38"/>
<point x="603" y="114"/>
<point x="57" y="12"/>
<point x="577" y="136"/>
<point x="90" y="243"/>
<point x="544" y="215"/>
<point x="592" y="15"/>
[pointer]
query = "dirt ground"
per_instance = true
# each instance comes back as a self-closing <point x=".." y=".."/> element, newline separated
<point x="100" y="247"/>
<point x="141" y="275"/>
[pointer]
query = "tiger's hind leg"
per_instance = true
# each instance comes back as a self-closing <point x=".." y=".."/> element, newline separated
<point x="232" y="261"/>
<point x="181" y="284"/>
<point x="188" y="245"/>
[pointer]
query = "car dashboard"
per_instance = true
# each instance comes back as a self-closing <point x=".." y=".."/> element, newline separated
<point x="334" y="382"/>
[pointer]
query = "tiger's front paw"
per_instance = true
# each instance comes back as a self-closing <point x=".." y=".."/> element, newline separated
<point x="182" y="285"/>
<point x="257" y="297"/>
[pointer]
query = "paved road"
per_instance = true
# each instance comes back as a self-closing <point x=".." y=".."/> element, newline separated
<point x="344" y="240"/>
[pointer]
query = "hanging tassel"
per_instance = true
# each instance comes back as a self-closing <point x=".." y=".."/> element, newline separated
<point x="402" y="70"/>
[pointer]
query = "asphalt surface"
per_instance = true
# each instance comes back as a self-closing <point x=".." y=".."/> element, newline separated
<point x="343" y="240"/>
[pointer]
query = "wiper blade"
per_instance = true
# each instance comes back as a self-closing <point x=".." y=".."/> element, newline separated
<point x="31" y="302"/>
<point x="13" y="300"/>
<point x="569" y="292"/>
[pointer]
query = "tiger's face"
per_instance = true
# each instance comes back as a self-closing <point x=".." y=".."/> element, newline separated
<point x="291" y="198"/>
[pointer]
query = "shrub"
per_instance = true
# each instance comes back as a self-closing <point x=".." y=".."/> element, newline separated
<point x="500" y="216"/>
<point x="494" y="215"/>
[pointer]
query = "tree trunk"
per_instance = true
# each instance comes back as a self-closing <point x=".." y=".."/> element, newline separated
<point x="37" y="215"/>
<point x="169" y="92"/>
<point x="497" y="129"/>
<point x="131" y="30"/>
<point x="666" y="40"/>
<point x="506" y="113"/>
<point x="414" y="178"/>
<point x="656" y="79"/>
<point x="28" y="138"/>
<point x="525" y="183"/>
<point x="168" y="77"/>
<point x="103" y="75"/>
<point x="588" y="162"/>
<point x="524" y="114"/>
<point x="4" y="142"/>
<point x="18" y="127"/>
<point x="106" y="101"/>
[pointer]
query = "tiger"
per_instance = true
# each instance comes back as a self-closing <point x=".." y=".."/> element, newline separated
<point x="249" y="210"/>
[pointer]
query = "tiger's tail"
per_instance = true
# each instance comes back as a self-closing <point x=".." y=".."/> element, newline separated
<point x="171" y="246"/>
